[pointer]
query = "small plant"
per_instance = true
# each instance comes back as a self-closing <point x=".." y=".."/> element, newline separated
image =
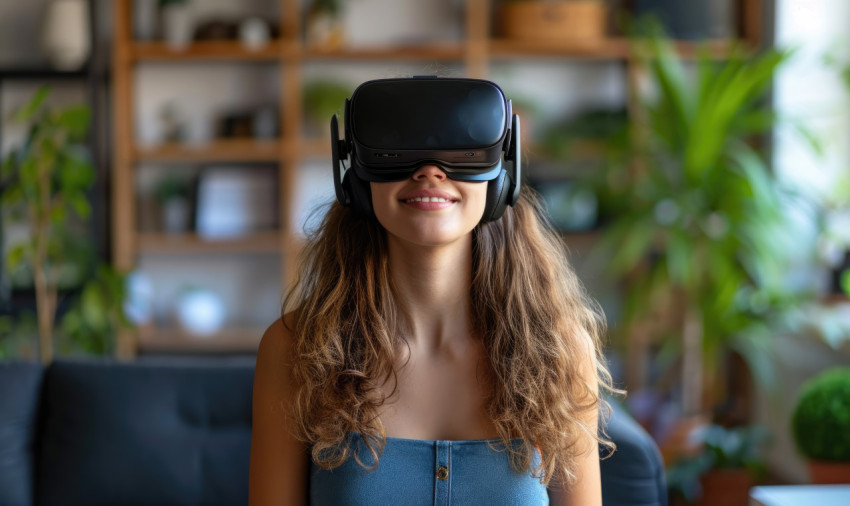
<point x="172" y="187"/>
<point x="333" y="7"/>
<point x="323" y="99"/>
<point x="820" y="423"/>
<point x="722" y="448"/>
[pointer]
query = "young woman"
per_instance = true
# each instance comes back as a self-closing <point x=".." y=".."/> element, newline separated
<point x="431" y="352"/>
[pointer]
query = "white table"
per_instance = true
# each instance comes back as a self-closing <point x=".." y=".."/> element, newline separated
<point x="800" y="495"/>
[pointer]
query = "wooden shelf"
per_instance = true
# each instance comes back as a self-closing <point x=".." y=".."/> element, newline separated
<point x="45" y="72"/>
<point x="164" y="243"/>
<point x="315" y="148"/>
<point x="233" y="150"/>
<point x="229" y="340"/>
<point x="608" y="49"/>
<point x="476" y="54"/>
<point x="225" y="50"/>
<point x="432" y="51"/>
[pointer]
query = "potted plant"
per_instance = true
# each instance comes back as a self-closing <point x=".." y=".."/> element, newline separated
<point x="43" y="187"/>
<point x="820" y="426"/>
<point x="577" y="21"/>
<point x="172" y="193"/>
<point x="728" y="463"/>
<point x="324" y="28"/>
<point x="322" y="99"/>
<point x="692" y="223"/>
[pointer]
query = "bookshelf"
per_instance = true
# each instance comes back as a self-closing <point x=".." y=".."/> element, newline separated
<point x="476" y="52"/>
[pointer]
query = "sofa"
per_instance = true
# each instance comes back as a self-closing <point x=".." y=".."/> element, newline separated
<point x="178" y="432"/>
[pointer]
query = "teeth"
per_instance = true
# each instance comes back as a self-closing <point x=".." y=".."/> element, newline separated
<point x="428" y="199"/>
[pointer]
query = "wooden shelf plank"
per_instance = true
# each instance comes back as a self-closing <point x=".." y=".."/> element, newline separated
<point x="432" y="51"/>
<point x="219" y="50"/>
<point x="614" y="48"/>
<point x="315" y="148"/>
<point x="606" y="49"/>
<point x="164" y="243"/>
<point x="174" y="340"/>
<point x="249" y="150"/>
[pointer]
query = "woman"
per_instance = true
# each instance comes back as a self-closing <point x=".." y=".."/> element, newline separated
<point x="433" y="352"/>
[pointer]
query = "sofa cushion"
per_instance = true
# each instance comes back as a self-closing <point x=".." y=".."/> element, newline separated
<point x="134" y="433"/>
<point x="634" y="474"/>
<point x="20" y="384"/>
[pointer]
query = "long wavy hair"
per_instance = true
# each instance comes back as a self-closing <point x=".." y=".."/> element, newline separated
<point x="541" y="332"/>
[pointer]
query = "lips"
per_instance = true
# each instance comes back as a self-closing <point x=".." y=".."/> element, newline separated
<point x="428" y="199"/>
<point x="428" y="195"/>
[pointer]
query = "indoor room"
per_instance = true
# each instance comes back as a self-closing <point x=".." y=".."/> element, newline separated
<point x="242" y="236"/>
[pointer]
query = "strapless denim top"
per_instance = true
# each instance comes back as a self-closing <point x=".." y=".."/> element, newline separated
<point x="425" y="472"/>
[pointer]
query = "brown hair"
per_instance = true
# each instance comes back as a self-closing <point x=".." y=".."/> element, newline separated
<point x="539" y="329"/>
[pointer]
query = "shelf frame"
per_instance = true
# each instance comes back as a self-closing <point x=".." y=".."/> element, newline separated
<point x="477" y="51"/>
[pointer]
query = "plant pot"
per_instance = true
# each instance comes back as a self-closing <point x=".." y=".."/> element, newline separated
<point x="565" y="21"/>
<point x="826" y="472"/>
<point x="175" y="215"/>
<point x="727" y="487"/>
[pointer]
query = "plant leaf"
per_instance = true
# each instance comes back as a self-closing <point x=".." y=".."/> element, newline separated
<point x="28" y="112"/>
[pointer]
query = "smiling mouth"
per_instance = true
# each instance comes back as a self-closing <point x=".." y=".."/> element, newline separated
<point x="427" y="199"/>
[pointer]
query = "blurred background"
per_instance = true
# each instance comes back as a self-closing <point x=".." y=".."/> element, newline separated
<point x="163" y="160"/>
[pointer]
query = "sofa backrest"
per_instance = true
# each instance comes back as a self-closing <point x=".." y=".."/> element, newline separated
<point x="118" y="433"/>
<point x="100" y="432"/>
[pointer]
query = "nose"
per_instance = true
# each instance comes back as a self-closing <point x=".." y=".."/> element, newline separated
<point x="427" y="172"/>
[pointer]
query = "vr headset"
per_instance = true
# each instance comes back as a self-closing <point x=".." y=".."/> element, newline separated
<point x="394" y="126"/>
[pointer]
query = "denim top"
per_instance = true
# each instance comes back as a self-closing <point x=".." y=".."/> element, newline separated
<point x="420" y="472"/>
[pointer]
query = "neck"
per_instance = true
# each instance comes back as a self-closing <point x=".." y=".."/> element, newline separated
<point x="433" y="285"/>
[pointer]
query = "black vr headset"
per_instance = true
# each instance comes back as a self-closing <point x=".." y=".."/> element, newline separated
<point x="394" y="126"/>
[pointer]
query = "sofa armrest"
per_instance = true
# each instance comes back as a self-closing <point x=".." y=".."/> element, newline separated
<point x="634" y="474"/>
<point x="20" y="391"/>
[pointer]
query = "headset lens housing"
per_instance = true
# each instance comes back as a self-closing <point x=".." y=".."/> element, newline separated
<point x="397" y="125"/>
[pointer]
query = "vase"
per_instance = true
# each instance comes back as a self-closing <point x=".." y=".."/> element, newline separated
<point x="200" y="312"/>
<point x="65" y="36"/>
<point x="145" y="19"/>
<point x="175" y="215"/>
<point x="177" y="25"/>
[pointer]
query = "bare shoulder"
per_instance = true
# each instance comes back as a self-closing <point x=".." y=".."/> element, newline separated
<point x="273" y="385"/>
<point x="279" y="461"/>
<point x="277" y="340"/>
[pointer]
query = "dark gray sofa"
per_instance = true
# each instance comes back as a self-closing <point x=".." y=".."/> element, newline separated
<point x="178" y="432"/>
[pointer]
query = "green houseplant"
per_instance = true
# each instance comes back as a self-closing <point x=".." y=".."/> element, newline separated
<point x="322" y="99"/>
<point x="820" y="425"/>
<point x="728" y="462"/>
<point x="693" y="220"/>
<point x="44" y="186"/>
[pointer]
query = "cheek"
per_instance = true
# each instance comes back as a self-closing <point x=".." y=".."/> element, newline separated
<point x="476" y="196"/>
<point x="383" y="204"/>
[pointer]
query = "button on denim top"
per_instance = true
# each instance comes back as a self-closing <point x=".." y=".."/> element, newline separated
<point x="425" y="472"/>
